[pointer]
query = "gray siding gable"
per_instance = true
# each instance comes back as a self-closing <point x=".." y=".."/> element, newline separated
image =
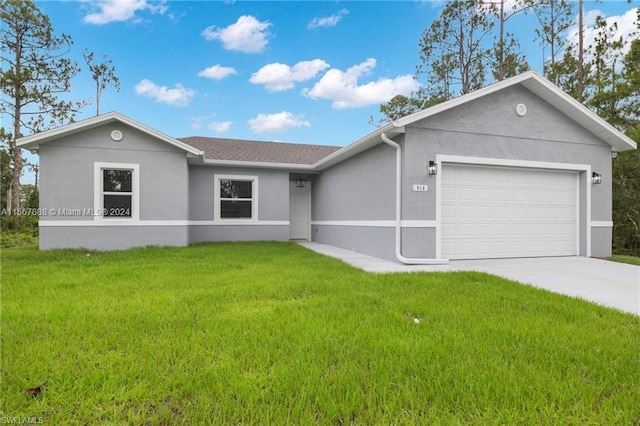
<point x="495" y="115"/>
<point x="100" y="138"/>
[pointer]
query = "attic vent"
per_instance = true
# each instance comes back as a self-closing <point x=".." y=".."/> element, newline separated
<point x="116" y="135"/>
<point x="521" y="110"/>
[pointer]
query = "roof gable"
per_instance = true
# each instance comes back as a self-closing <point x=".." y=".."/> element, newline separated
<point x="34" y="141"/>
<point x="551" y="94"/>
<point x="530" y="80"/>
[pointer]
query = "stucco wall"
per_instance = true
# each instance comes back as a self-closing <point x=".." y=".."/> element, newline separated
<point x="67" y="184"/>
<point x="273" y="206"/>
<point x="490" y="128"/>
<point x="362" y="188"/>
<point x="112" y="238"/>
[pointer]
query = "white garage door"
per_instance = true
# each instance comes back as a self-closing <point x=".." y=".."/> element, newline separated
<point x="497" y="212"/>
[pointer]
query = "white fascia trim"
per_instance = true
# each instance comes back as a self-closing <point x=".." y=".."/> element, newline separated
<point x="539" y="85"/>
<point x="601" y="224"/>
<point x="360" y="145"/>
<point x="259" y="165"/>
<point x="580" y="113"/>
<point x="463" y="99"/>
<point x="377" y="223"/>
<point x="33" y="141"/>
<point x="120" y="223"/>
<point x="483" y="161"/>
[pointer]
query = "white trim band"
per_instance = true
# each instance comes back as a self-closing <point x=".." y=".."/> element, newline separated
<point x="601" y="224"/>
<point x="124" y="222"/>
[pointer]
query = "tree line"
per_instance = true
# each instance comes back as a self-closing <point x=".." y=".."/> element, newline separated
<point x="36" y="73"/>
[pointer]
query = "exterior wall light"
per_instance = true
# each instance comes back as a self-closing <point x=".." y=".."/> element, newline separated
<point x="433" y="168"/>
<point x="301" y="183"/>
<point x="596" y="178"/>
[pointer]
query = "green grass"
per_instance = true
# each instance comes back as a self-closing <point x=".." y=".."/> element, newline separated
<point x="632" y="260"/>
<point x="270" y="333"/>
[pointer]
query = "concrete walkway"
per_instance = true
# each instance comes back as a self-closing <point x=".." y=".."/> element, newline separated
<point x="612" y="284"/>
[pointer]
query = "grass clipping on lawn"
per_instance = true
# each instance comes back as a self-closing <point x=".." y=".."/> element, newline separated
<point x="271" y="333"/>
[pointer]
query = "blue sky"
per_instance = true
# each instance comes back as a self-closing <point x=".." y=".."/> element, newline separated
<point x="310" y="72"/>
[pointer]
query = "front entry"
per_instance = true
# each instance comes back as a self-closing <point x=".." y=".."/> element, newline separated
<point x="299" y="211"/>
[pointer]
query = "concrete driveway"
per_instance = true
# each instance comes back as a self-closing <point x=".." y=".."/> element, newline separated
<point x="616" y="285"/>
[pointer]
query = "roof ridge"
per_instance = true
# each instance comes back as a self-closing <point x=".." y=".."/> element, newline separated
<point x="213" y="138"/>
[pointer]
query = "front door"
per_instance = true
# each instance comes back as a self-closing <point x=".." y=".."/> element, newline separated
<point x="299" y="211"/>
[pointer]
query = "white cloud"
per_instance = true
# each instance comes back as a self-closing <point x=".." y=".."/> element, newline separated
<point x="178" y="96"/>
<point x="342" y="87"/>
<point x="510" y="6"/>
<point x="247" y="35"/>
<point x="626" y="28"/>
<point x="273" y="123"/>
<point x="327" y="21"/>
<point x="196" y="122"/>
<point x="217" y="72"/>
<point x="278" y="77"/>
<point x="121" y="10"/>
<point x="220" y="126"/>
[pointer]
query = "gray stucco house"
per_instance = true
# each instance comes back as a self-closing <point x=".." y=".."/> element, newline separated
<point x="516" y="169"/>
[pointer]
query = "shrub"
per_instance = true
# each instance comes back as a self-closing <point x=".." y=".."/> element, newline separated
<point x="17" y="239"/>
<point x="26" y="236"/>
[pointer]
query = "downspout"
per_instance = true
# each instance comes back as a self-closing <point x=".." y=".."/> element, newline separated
<point x="399" y="256"/>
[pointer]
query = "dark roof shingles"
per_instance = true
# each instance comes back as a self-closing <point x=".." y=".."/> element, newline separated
<point x="258" y="151"/>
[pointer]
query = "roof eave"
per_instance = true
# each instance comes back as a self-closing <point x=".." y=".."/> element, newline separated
<point x="33" y="142"/>
<point x="550" y="93"/>
<point x="372" y="139"/>
<point x="580" y="114"/>
<point x="257" y="164"/>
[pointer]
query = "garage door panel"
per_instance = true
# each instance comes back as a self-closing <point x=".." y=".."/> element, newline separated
<point x="493" y="212"/>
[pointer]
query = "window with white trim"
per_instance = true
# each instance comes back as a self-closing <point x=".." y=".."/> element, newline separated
<point x="117" y="194"/>
<point x="236" y="197"/>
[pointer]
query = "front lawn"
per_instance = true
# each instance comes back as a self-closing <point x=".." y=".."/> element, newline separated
<point x="270" y="333"/>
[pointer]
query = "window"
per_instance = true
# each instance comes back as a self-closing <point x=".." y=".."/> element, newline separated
<point x="236" y="197"/>
<point x="116" y="191"/>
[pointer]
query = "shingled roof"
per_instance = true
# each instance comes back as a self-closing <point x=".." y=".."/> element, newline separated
<point x="258" y="151"/>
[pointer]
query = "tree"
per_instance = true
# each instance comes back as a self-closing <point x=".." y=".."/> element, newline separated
<point x="455" y="54"/>
<point x="37" y="73"/>
<point x="506" y="60"/>
<point x="604" y="80"/>
<point x="580" y="69"/>
<point x="5" y="171"/>
<point x="563" y="73"/>
<point x="399" y="106"/>
<point x="452" y="50"/>
<point x="626" y="167"/>
<point x="103" y="75"/>
<point x="554" y="17"/>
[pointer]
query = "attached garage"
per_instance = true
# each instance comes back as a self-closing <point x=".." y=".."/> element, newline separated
<point x="501" y="212"/>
